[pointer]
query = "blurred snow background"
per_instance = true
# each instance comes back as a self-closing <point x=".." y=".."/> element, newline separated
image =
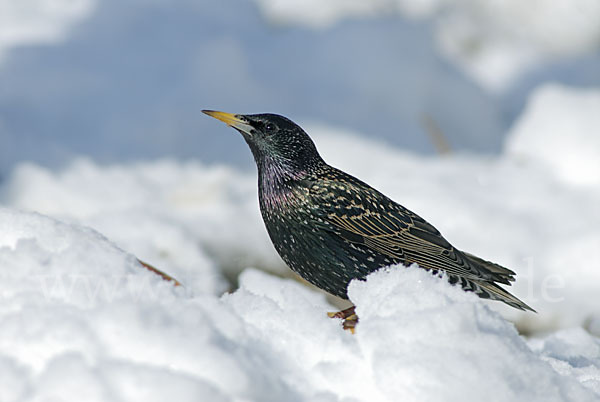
<point x="125" y="80"/>
<point x="494" y="42"/>
<point x="100" y="132"/>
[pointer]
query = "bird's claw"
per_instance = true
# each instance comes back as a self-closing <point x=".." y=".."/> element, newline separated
<point x="349" y="316"/>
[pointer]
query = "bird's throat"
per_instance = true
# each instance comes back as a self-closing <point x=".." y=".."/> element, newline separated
<point x="276" y="184"/>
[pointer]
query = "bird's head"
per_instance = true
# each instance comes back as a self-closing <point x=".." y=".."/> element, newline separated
<point x="276" y="142"/>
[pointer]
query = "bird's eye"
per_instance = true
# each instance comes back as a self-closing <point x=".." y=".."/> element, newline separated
<point x="269" y="128"/>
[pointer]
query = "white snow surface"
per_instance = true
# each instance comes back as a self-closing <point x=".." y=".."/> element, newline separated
<point x="176" y="215"/>
<point x="80" y="317"/>
<point x="80" y="320"/>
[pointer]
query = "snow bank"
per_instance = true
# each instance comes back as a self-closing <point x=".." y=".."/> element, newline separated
<point x="179" y="216"/>
<point x="124" y="334"/>
<point x="77" y="315"/>
<point x="560" y="129"/>
<point x="572" y="352"/>
<point x="425" y="340"/>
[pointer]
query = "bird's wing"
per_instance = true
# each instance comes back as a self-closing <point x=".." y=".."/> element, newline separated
<point x="360" y="214"/>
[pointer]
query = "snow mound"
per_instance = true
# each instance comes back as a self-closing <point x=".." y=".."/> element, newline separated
<point x="427" y="340"/>
<point x="572" y="352"/>
<point x="559" y="129"/>
<point x="184" y="217"/>
<point x="66" y="264"/>
<point x="418" y="338"/>
<point x="49" y="269"/>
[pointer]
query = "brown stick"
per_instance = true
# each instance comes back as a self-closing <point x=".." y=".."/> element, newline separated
<point x="159" y="273"/>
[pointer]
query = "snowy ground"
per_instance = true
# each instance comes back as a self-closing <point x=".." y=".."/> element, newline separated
<point x="104" y="159"/>
<point x="81" y="320"/>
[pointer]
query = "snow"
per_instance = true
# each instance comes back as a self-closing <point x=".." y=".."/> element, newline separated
<point x="418" y="339"/>
<point x="38" y="21"/>
<point x="444" y="345"/>
<point x="162" y="211"/>
<point x="315" y="13"/>
<point x="126" y="79"/>
<point x="122" y="83"/>
<point x="564" y="143"/>
<point x="495" y="42"/>
<point x="80" y="316"/>
<point x="571" y="352"/>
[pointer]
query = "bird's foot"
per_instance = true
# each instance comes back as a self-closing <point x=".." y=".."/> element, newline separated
<point x="349" y="316"/>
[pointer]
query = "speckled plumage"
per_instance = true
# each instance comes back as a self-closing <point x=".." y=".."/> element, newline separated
<point x="330" y="227"/>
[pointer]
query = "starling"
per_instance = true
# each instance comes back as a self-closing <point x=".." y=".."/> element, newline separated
<point x="331" y="228"/>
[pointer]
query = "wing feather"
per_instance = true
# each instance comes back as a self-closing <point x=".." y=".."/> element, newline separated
<point x="388" y="228"/>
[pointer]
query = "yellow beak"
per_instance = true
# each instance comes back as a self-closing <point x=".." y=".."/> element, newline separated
<point x="236" y="121"/>
<point x="227" y="118"/>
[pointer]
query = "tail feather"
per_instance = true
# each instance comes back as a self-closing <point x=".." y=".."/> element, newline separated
<point x="490" y="290"/>
<point x="500" y="273"/>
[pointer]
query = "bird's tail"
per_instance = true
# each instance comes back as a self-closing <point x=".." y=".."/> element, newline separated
<point x="492" y="291"/>
<point x="498" y="272"/>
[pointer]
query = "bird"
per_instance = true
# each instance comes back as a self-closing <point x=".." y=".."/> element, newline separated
<point x="331" y="227"/>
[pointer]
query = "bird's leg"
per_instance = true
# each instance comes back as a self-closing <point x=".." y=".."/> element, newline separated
<point x="349" y="316"/>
